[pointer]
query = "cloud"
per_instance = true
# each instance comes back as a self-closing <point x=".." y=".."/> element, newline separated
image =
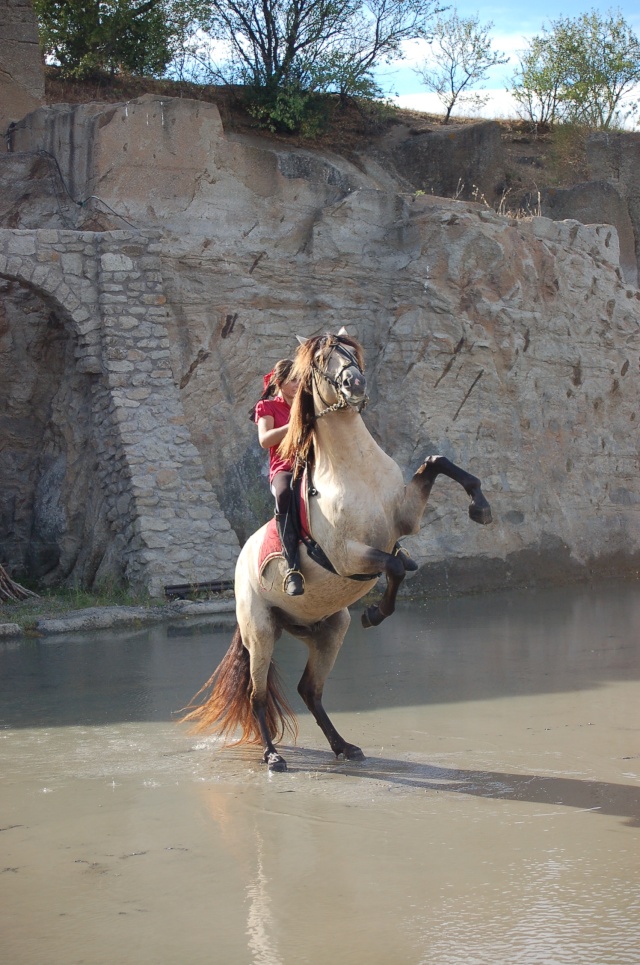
<point x="500" y="104"/>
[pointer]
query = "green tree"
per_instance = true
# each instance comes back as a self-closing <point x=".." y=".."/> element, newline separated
<point x="460" y="60"/>
<point x="291" y="50"/>
<point x="581" y="70"/>
<point x="537" y="84"/>
<point x="134" y="36"/>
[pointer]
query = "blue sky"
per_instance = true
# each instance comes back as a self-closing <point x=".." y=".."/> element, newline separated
<point x="513" y="24"/>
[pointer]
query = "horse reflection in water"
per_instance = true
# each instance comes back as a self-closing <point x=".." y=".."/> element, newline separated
<point x="358" y="507"/>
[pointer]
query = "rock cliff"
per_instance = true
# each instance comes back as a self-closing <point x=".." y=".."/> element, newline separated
<point x="155" y="267"/>
<point x="21" y="66"/>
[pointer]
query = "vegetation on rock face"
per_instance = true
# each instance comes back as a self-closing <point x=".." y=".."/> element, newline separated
<point x="287" y="53"/>
<point x="580" y="70"/>
<point x="461" y="57"/>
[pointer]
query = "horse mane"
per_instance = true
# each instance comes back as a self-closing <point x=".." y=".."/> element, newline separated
<point x="297" y="445"/>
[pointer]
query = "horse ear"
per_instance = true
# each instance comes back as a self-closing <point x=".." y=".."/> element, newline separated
<point x="301" y="339"/>
<point x="343" y="331"/>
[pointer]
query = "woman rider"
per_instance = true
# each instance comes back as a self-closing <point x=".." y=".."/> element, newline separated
<point x="272" y="413"/>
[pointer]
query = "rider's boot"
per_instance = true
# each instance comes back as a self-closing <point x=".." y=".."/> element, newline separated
<point x="293" y="584"/>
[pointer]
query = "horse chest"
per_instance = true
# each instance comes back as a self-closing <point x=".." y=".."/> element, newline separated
<point x="364" y="513"/>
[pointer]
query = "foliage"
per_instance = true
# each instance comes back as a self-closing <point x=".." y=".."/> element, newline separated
<point x="288" y="109"/>
<point x="287" y="51"/>
<point x="132" y="36"/>
<point x="284" y="52"/>
<point x="461" y="57"/>
<point x="537" y="84"/>
<point x="580" y="70"/>
<point x="63" y="600"/>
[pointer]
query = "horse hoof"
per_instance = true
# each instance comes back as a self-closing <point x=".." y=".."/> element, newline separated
<point x="371" y="617"/>
<point x="410" y="565"/>
<point x="276" y="763"/>
<point x="353" y="753"/>
<point x="480" y="510"/>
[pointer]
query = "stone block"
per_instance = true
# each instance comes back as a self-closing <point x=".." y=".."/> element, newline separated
<point x="114" y="261"/>
<point x="72" y="264"/>
<point x="9" y="630"/>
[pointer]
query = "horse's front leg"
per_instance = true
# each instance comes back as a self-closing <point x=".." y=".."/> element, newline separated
<point x="367" y="559"/>
<point x="434" y="466"/>
<point x="324" y="640"/>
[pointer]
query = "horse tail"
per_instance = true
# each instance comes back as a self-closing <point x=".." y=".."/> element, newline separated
<point x="228" y="706"/>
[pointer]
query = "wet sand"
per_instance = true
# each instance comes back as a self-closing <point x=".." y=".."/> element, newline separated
<point x="496" y="819"/>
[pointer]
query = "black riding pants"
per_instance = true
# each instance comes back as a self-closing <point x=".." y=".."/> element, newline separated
<point x="281" y="489"/>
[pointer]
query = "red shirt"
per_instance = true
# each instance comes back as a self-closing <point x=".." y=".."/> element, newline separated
<point x="280" y="412"/>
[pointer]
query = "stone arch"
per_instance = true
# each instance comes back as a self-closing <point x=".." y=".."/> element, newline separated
<point x="150" y="515"/>
<point x="53" y="524"/>
<point x="58" y="267"/>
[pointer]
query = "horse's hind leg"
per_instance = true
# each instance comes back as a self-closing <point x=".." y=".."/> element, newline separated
<point x="479" y="508"/>
<point x="259" y="635"/>
<point x="324" y="640"/>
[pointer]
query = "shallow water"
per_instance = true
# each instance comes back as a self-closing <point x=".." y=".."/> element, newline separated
<point x="495" y="821"/>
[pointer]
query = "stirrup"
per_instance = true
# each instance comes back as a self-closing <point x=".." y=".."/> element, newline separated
<point x="293" y="583"/>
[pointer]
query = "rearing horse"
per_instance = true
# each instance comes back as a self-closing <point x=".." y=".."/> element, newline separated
<point x="358" y="508"/>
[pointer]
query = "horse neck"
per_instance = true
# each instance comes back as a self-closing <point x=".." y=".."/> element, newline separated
<point x="337" y="437"/>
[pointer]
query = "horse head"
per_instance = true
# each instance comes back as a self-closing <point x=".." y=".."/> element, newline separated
<point x="330" y="370"/>
<point x="337" y="368"/>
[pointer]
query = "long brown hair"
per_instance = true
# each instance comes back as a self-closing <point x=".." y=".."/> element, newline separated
<point x="279" y="374"/>
<point x="297" y="445"/>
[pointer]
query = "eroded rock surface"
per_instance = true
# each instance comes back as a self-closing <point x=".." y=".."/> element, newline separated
<point x="21" y="66"/>
<point x="597" y="202"/>
<point x="511" y="346"/>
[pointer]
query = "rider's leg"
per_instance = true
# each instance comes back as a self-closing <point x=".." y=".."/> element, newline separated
<point x="281" y="487"/>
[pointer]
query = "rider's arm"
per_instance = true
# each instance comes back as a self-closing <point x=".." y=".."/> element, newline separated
<point x="267" y="435"/>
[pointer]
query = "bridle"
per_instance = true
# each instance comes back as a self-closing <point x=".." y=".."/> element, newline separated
<point x="350" y="361"/>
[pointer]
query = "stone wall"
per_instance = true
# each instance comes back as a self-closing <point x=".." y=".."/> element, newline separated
<point x="597" y="202"/>
<point x="21" y="64"/>
<point x="164" y="520"/>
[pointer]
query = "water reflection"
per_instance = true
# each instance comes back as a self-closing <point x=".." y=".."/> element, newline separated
<point x="443" y="651"/>
<point x="260" y="924"/>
